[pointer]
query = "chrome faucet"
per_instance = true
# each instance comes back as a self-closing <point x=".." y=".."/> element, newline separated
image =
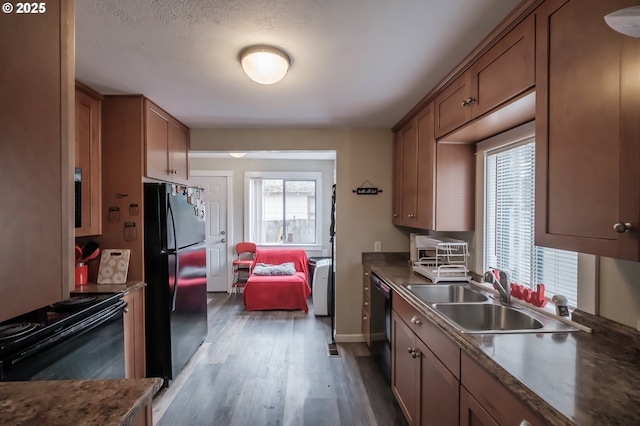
<point x="503" y="285"/>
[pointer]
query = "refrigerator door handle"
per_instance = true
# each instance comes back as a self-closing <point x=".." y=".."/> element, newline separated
<point x="174" y="252"/>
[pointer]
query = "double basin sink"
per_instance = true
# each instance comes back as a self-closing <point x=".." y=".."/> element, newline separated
<point x="472" y="311"/>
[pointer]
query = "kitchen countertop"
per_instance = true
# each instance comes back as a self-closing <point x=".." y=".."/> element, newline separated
<point x="128" y="287"/>
<point x="75" y="402"/>
<point x="567" y="378"/>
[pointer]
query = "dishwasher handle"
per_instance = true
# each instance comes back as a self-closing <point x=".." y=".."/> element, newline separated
<point x="380" y="286"/>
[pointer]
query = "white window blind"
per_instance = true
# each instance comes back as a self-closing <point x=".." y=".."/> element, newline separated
<point x="509" y="225"/>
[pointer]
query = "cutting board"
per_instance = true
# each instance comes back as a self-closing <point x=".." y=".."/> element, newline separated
<point x="114" y="265"/>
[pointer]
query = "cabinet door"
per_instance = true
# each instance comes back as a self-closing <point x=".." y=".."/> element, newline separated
<point x="178" y="152"/>
<point x="426" y="165"/>
<point x="506" y="70"/>
<point x="439" y="391"/>
<point x="396" y="217"/>
<point x="587" y="130"/>
<point x="157" y="142"/>
<point x="366" y="307"/>
<point x="88" y="157"/>
<point x="404" y="369"/>
<point x="134" y="335"/>
<point x="451" y="109"/>
<point x="472" y="413"/>
<point x="409" y="174"/>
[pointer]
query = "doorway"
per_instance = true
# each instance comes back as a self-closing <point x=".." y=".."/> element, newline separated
<point x="216" y="229"/>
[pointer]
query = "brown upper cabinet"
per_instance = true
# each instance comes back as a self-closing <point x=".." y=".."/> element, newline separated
<point x="587" y="130"/>
<point x="505" y="71"/>
<point x="433" y="183"/>
<point x="88" y="157"/>
<point x="167" y="145"/>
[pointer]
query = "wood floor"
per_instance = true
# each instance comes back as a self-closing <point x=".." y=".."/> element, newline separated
<point x="273" y="368"/>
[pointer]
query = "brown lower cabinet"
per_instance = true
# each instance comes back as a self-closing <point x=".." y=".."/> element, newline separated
<point x="426" y="390"/>
<point x="435" y="383"/>
<point x="134" y="335"/>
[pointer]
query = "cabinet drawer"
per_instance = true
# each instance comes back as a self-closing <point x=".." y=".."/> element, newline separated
<point x="496" y="399"/>
<point x="444" y="348"/>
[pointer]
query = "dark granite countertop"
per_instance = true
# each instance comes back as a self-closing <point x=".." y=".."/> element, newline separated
<point x="128" y="287"/>
<point x="75" y="402"/>
<point x="568" y="378"/>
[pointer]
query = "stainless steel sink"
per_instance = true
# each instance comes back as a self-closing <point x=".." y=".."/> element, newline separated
<point x="447" y="293"/>
<point x="492" y="318"/>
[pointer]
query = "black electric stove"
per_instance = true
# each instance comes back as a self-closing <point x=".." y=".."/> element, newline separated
<point x="31" y="336"/>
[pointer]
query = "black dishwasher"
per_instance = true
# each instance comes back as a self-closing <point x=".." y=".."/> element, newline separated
<point x="380" y="324"/>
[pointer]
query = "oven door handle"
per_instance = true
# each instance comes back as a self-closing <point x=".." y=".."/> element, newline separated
<point x="82" y="327"/>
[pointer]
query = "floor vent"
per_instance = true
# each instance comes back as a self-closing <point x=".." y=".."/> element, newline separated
<point x="332" y="349"/>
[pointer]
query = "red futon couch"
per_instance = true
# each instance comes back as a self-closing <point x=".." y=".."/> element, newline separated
<point x="265" y="292"/>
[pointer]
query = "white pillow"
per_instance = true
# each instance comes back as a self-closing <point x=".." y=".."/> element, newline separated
<point x="267" y="269"/>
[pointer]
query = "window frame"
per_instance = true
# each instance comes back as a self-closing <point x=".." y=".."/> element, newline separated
<point x="315" y="176"/>
<point x="588" y="271"/>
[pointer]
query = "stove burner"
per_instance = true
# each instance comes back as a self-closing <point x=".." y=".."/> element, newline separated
<point x="74" y="302"/>
<point x="10" y="331"/>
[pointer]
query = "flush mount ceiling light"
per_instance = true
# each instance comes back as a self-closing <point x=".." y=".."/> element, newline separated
<point x="625" y="21"/>
<point x="265" y="64"/>
<point x="237" y="154"/>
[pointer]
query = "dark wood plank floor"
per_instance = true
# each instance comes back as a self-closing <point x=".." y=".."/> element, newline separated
<point x="273" y="368"/>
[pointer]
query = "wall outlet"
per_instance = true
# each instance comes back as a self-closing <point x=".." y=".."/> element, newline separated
<point x="377" y="246"/>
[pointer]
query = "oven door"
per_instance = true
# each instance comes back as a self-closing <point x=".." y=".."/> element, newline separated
<point x="90" y="349"/>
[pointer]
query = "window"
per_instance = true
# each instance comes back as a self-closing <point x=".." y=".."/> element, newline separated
<point x="509" y="224"/>
<point x="282" y="208"/>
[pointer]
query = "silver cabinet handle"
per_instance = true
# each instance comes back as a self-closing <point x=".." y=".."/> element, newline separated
<point x="622" y="227"/>
<point x="415" y="320"/>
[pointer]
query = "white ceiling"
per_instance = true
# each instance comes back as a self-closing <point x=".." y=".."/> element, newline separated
<point x="355" y="63"/>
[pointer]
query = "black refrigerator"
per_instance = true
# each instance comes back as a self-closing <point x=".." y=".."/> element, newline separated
<point x="175" y="271"/>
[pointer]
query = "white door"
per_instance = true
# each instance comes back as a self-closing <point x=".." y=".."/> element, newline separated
<point x="215" y="195"/>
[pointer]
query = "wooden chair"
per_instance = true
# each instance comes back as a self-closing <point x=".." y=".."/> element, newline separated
<point x="245" y="252"/>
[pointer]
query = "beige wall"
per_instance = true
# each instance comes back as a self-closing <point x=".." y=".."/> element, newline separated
<point x="620" y="291"/>
<point x="361" y="155"/>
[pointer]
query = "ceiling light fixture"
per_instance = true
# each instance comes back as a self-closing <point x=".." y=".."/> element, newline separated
<point x="265" y="64"/>
<point x="625" y="21"/>
<point x="237" y="154"/>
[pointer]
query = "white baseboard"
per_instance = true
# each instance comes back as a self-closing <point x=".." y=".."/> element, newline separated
<point x="349" y="338"/>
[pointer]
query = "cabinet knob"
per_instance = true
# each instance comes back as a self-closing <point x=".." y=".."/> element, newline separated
<point x="364" y="318"/>
<point x="524" y="422"/>
<point x="411" y="215"/>
<point x="126" y="310"/>
<point x="467" y="102"/>
<point x="415" y="320"/>
<point x="366" y="289"/>
<point x="366" y="303"/>
<point x="414" y="353"/>
<point x="622" y="227"/>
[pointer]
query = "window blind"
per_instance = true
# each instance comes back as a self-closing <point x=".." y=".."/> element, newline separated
<point x="509" y="225"/>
